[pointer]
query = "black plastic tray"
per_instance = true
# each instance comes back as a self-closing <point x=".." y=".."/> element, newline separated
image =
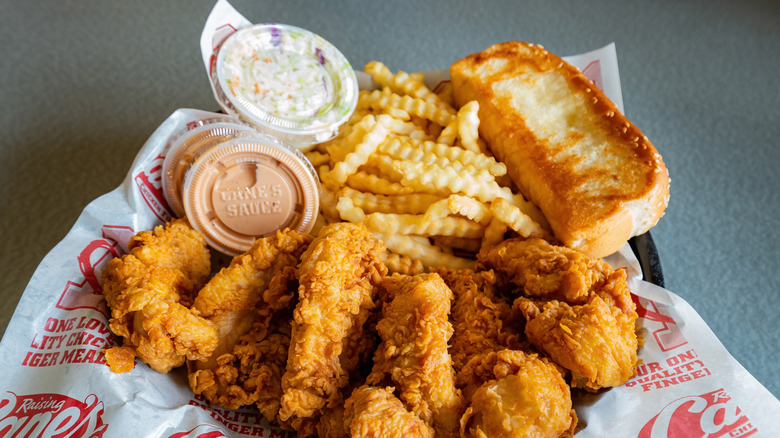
<point x="645" y="250"/>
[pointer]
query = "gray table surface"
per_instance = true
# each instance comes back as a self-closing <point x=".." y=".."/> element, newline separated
<point x="83" y="84"/>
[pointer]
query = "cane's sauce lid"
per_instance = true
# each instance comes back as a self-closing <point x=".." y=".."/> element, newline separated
<point x="185" y="146"/>
<point x="247" y="188"/>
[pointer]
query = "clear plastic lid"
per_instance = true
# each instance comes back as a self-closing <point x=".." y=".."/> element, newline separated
<point x="248" y="187"/>
<point x="287" y="82"/>
<point x="184" y="147"/>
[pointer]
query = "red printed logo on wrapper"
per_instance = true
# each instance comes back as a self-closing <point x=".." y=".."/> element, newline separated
<point x="593" y="72"/>
<point x="220" y="35"/>
<point x="92" y="260"/>
<point x="149" y="184"/>
<point x="200" y="431"/>
<point x="669" y="335"/>
<point x="710" y="415"/>
<point x="50" y="416"/>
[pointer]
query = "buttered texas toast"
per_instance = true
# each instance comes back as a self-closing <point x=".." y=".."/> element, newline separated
<point x="594" y="175"/>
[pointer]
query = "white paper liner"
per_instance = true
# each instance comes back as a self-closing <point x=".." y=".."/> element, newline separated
<point x="55" y="379"/>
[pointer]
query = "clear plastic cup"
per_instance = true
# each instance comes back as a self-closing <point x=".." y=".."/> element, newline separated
<point x="249" y="187"/>
<point x="188" y="144"/>
<point x="287" y="82"/>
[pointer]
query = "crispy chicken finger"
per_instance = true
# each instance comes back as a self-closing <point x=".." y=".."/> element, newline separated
<point x="595" y="341"/>
<point x="251" y="302"/>
<point x="548" y="271"/>
<point x="149" y="291"/>
<point x="338" y="275"/>
<point x="415" y="329"/>
<point x="482" y="320"/>
<point x="377" y="412"/>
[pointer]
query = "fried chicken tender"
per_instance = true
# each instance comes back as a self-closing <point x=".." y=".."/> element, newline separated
<point x="377" y="412"/>
<point x="251" y="302"/>
<point x="523" y="396"/>
<point x="413" y="355"/>
<point x="596" y="341"/>
<point x="548" y="271"/>
<point x="482" y="320"/>
<point x="578" y="309"/>
<point x="149" y="291"/>
<point x="338" y="275"/>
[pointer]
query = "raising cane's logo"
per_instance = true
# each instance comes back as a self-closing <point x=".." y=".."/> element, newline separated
<point x="709" y="415"/>
<point x="50" y="416"/>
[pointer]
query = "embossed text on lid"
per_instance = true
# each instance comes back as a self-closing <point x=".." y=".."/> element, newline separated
<point x="247" y="188"/>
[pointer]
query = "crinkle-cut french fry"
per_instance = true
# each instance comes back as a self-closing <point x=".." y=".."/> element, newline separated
<point x="463" y="244"/>
<point x="438" y="210"/>
<point x="348" y="211"/>
<point x="413" y="203"/>
<point x="358" y="115"/>
<point x="459" y="205"/>
<point x="409" y="129"/>
<point x="445" y="92"/>
<point x="375" y="135"/>
<point x="530" y="209"/>
<point x="368" y="182"/>
<point x="418" y="76"/>
<point x="328" y="200"/>
<point x="433" y="130"/>
<point x="342" y="145"/>
<point x="401" y="150"/>
<point x="413" y="106"/>
<point x="470" y="208"/>
<point x="367" y="104"/>
<point x="317" y="158"/>
<point x="515" y="218"/>
<point x="384" y="166"/>
<point x="403" y="83"/>
<point x="449" y="134"/>
<point x="468" y="126"/>
<point x="420" y="248"/>
<point x="494" y="232"/>
<point x="418" y="224"/>
<point x="415" y="150"/>
<point x="401" y="264"/>
<point x="380" y="74"/>
<point x="431" y="179"/>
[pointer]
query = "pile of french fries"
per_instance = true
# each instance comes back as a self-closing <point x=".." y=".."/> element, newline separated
<point x="414" y="170"/>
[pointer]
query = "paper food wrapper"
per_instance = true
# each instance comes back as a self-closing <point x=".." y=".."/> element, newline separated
<point x="55" y="381"/>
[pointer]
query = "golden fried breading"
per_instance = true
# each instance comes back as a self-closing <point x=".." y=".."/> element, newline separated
<point x="482" y="321"/>
<point x="413" y="355"/>
<point x="377" y="412"/>
<point x="579" y="313"/>
<point x="338" y="275"/>
<point x="522" y="396"/>
<point x="148" y="291"/>
<point x="595" y="341"/>
<point x="331" y="422"/>
<point x="548" y="271"/>
<point x="248" y="278"/>
<point x="251" y="302"/>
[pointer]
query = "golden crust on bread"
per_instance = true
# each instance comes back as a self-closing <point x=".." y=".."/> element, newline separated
<point x="596" y="177"/>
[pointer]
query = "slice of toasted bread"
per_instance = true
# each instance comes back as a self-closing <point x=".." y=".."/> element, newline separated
<point x="594" y="175"/>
